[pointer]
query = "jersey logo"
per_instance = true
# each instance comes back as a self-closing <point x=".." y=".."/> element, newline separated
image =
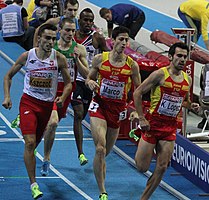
<point x="32" y="61"/>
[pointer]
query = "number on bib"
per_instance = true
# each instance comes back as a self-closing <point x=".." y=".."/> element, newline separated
<point x="93" y="106"/>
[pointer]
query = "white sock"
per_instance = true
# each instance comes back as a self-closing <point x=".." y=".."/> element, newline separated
<point x="33" y="184"/>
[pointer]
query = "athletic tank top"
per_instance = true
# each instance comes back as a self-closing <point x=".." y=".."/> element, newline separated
<point x="167" y="99"/>
<point x="114" y="82"/>
<point x="41" y="76"/>
<point x="72" y="68"/>
<point x="91" y="51"/>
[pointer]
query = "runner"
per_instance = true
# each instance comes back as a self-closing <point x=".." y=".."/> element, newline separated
<point x="81" y="98"/>
<point x="169" y="92"/>
<point x="40" y="84"/>
<point x="111" y="78"/>
<point x="76" y="58"/>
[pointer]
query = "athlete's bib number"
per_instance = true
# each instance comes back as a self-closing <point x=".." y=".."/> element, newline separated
<point x="123" y="115"/>
<point x="170" y="105"/>
<point x="112" y="89"/>
<point x="93" y="106"/>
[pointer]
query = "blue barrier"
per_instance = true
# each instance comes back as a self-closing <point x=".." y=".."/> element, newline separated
<point x="192" y="162"/>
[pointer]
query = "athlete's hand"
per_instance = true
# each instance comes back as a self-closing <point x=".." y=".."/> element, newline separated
<point x="77" y="52"/>
<point x="7" y="103"/>
<point x="134" y="115"/>
<point x="93" y="85"/>
<point x="144" y="124"/>
<point x="59" y="102"/>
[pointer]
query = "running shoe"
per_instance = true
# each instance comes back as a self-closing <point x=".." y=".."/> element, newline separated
<point x="133" y="135"/>
<point x="36" y="193"/>
<point x="35" y="152"/>
<point x="16" y="122"/>
<point x="103" y="196"/>
<point x="83" y="160"/>
<point x="45" y="168"/>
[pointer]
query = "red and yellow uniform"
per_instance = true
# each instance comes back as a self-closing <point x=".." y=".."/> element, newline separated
<point x="166" y="103"/>
<point x="110" y="100"/>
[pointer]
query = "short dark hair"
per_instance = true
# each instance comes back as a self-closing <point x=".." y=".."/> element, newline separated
<point x="88" y="10"/>
<point x="103" y="12"/>
<point x="72" y="2"/>
<point x="173" y="47"/>
<point x="18" y="1"/>
<point x="66" y="20"/>
<point x="119" y="29"/>
<point x="46" y="26"/>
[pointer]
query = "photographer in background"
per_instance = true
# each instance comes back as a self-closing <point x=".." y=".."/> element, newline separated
<point x="39" y="11"/>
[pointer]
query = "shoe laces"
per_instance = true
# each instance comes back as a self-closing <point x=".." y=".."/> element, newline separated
<point x="45" y="166"/>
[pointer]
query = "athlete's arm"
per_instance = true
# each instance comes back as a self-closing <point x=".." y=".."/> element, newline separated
<point x="92" y="76"/>
<point x="153" y="80"/>
<point x="136" y="77"/>
<point x="20" y="62"/>
<point x="81" y="62"/>
<point x="99" y="42"/>
<point x="187" y="101"/>
<point x="63" y="67"/>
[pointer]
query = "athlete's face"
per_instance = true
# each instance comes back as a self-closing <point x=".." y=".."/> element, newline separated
<point x="67" y="32"/>
<point x="121" y="42"/>
<point x="71" y="11"/>
<point x="47" y="40"/>
<point x="86" y="22"/>
<point x="179" y="58"/>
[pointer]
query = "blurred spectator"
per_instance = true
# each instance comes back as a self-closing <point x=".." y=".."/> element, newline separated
<point x="204" y="96"/>
<point x="39" y="11"/>
<point x="126" y="15"/>
<point x="14" y="25"/>
<point x="195" y="14"/>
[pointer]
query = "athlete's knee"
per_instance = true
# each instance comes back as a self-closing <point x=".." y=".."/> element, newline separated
<point x="162" y="167"/>
<point x="30" y="144"/>
<point x="78" y="115"/>
<point x="141" y="167"/>
<point x="53" y="123"/>
<point x="101" y="150"/>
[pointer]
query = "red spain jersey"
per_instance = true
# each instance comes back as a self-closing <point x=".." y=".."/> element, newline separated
<point x="167" y="99"/>
<point x="114" y="82"/>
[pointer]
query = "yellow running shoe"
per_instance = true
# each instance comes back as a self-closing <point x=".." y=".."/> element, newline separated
<point x="36" y="193"/>
<point x="83" y="160"/>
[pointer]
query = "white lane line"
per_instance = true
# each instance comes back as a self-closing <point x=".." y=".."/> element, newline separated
<point x="60" y="127"/>
<point x="38" y="177"/>
<point x="155" y="10"/>
<point x="11" y="140"/>
<point x="64" y="132"/>
<point x="72" y="185"/>
<point x="57" y="139"/>
<point x="2" y="132"/>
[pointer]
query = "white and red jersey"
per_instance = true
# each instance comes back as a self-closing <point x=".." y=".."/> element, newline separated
<point x="41" y="76"/>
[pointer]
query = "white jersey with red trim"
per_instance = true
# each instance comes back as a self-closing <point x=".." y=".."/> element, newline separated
<point x="41" y="76"/>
